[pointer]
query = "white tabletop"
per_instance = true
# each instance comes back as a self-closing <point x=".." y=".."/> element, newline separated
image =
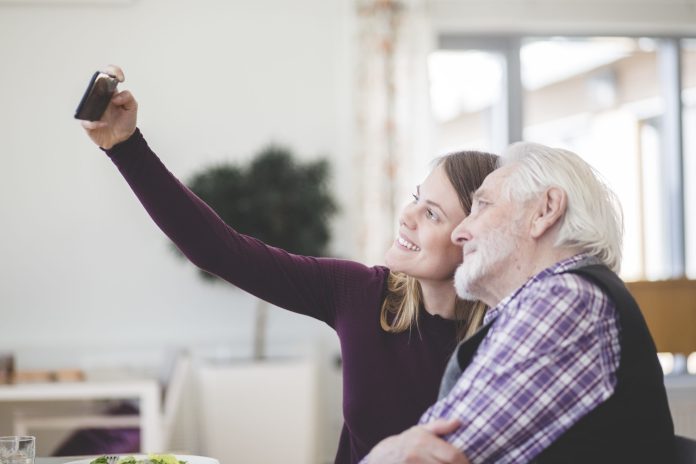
<point x="44" y="391"/>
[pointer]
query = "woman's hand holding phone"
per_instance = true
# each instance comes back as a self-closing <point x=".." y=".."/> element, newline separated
<point x="119" y="120"/>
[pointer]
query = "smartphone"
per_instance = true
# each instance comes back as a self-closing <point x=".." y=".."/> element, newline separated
<point x="101" y="88"/>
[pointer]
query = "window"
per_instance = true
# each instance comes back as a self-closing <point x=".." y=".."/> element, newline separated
<point x="689" y="121"/>
<point x="610" y="99"/>
<point x="596" y="96"/>
<point x="466" y="95"/>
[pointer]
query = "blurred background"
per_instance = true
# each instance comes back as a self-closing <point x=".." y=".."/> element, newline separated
<point x="89" y="285"/>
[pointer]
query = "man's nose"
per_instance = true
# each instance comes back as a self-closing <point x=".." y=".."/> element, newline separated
<point x="460" y="234"/>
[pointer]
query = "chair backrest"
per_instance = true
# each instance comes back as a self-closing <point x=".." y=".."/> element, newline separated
<point x="686" y="450"/>
<point x="173" y="395"/>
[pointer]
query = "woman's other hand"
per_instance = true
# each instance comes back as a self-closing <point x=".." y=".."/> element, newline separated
<point x="120" y="118"/>
<point x="419" y="445"/>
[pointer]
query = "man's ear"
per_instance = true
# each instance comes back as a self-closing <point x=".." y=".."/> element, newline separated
<point x="551" y="206"/>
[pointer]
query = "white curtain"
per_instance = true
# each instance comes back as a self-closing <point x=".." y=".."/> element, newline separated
<point x="394" y="123"/>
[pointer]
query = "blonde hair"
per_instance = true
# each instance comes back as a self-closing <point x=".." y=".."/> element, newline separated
<point x="401" y="307"/>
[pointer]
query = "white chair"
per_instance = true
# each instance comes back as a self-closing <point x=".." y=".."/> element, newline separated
<point x="24" y="421"/>
<point x="238" y="421"/>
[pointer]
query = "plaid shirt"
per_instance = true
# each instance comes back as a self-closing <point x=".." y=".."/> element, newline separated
<point x="550" y="357"/>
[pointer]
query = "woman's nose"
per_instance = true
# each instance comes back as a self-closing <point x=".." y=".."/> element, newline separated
<point x="407" y="217"/>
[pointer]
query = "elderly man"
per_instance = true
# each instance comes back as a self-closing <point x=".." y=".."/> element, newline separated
<point x="564" y="369"/>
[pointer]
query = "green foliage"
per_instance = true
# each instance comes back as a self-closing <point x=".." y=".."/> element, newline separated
<point x="274" y="198"/>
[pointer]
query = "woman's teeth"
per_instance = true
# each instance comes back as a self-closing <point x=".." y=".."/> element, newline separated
<point x="407" y="244"/>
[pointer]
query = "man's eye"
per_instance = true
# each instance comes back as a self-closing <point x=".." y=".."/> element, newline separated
<point x="477" y="206"/>
<point x="415" y="197"/>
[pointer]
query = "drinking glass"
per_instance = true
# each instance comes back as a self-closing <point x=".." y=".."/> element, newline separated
<point x="17" y="450"/>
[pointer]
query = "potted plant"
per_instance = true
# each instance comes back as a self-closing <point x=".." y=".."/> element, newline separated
<point x="276" y="199"/>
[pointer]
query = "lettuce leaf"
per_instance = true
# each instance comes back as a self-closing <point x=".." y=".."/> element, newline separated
<point x="151" y="459"/>
<point x="164" y="459"/>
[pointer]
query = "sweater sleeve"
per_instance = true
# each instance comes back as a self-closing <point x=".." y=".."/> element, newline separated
<point x="301" y="284"/>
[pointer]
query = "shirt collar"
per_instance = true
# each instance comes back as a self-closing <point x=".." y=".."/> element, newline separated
<point x="581" y="259"/>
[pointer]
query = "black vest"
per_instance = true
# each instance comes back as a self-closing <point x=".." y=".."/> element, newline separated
<point x="634" y="425"/>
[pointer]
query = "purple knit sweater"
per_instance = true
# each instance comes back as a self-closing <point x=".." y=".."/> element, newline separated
<point x="388" y="379"/>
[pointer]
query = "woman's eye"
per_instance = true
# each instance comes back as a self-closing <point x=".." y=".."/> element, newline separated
<point x="415" y="197"/>
<point x="430" y="214"/>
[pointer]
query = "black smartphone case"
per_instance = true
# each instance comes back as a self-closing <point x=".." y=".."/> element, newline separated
<point x="97" y="97"/>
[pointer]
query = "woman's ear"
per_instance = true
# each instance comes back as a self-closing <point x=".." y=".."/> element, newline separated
<point x="551" y="207"/>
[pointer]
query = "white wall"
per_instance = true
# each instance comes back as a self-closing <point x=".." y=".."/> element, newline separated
<point x="82" y="266"/>
<point x="86" y="280"/>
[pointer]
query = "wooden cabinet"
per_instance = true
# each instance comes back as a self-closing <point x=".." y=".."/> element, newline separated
<point x="669" y="307"/>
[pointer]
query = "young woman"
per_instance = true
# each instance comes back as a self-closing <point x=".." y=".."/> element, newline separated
<point x="397" y="325"/>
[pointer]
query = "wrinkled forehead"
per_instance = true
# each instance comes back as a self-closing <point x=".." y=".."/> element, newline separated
<point x="496" y="181"/>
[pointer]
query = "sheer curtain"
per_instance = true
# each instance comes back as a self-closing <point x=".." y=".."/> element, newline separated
<point x="393" y="117"/>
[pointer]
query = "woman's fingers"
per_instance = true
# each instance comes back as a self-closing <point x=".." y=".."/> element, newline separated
<point x="114" y="71"/>
<point x="92" y="125"/>
<point x="125" y="99"/>
<point x="442" y="426"/>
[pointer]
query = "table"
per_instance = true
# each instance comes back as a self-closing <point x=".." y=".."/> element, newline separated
<point x="146" y="391"/>
<point x="56" y="460"/>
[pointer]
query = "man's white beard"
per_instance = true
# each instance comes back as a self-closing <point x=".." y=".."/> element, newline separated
<point x="491" y="250"/>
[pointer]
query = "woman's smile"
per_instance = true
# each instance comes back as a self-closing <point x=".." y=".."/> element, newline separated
<point x="407" y="244"/>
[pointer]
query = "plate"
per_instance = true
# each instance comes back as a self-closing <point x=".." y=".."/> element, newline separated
<point x="180" y="457"/>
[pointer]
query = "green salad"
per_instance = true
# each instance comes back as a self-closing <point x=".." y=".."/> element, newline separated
<point x="151" y="459"/>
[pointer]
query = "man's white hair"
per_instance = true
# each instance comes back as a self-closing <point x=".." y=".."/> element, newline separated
<point x="593" y="221"/>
